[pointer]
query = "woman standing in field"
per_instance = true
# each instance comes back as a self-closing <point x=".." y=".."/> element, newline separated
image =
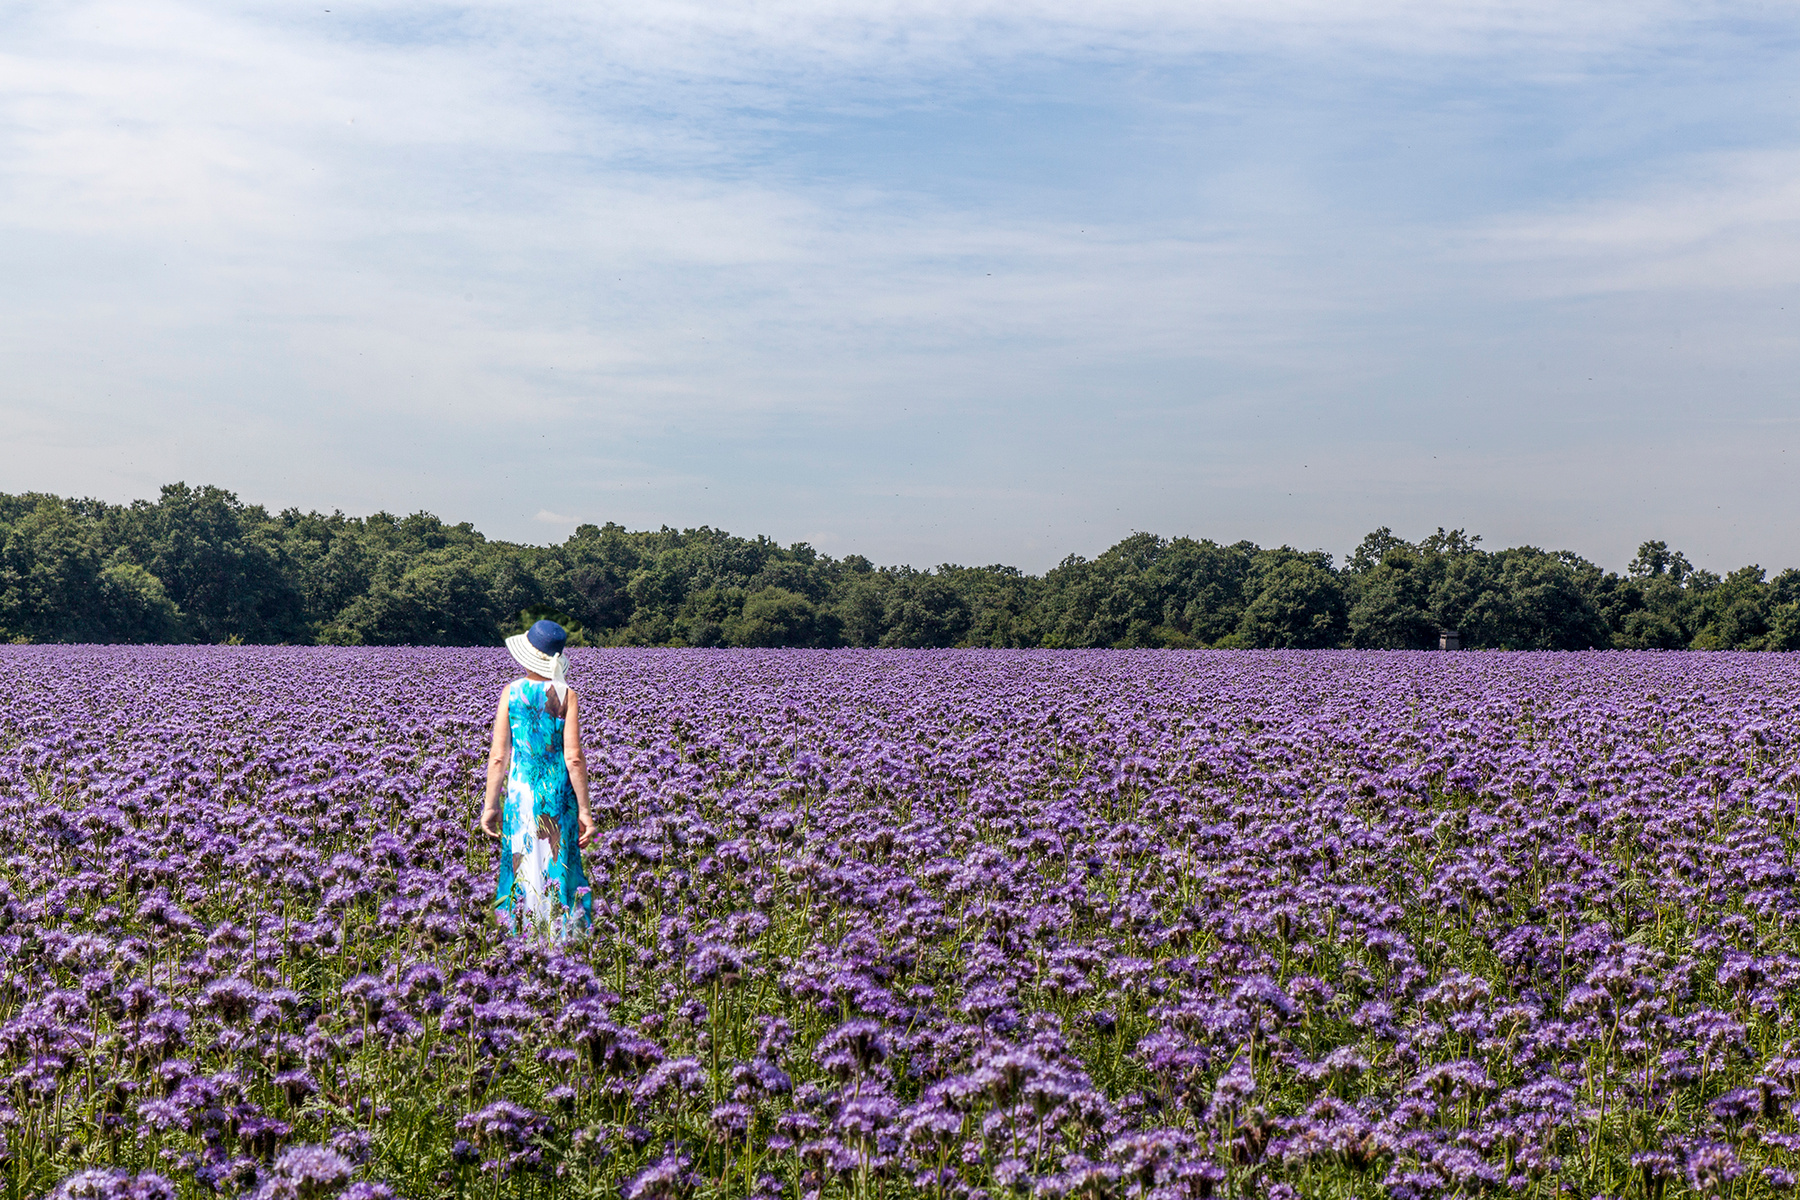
<point x="536" y="753"/>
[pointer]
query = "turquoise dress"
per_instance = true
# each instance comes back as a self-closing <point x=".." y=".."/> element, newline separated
<point x="540" y="861"/>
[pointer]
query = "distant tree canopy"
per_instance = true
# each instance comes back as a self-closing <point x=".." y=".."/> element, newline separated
<point x="199" y="566"/>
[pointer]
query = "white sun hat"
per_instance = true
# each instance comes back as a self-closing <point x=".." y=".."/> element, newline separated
<point x="540" y="651"/>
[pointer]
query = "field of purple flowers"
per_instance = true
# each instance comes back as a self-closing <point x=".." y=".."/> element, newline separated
<point x="953" y="924"/>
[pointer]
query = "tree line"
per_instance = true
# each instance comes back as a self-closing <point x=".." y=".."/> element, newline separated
<point x="198" y="565"/>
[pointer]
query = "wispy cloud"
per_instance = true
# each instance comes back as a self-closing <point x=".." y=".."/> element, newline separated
<point x="1719" y="222"/>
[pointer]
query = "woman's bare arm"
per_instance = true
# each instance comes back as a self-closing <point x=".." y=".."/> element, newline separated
<point x="499" y="760"/>
<point x="578" y="775"/>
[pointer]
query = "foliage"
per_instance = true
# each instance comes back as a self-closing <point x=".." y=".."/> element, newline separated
<point x="198" y="565"/>
<point x="1298" y="604"/>
<point x="1392" y="605"/>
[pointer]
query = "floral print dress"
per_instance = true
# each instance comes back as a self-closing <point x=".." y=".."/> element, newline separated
<point x="540" y="861"/>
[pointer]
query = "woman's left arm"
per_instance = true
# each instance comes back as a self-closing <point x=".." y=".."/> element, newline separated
<point x="578" y="775"/>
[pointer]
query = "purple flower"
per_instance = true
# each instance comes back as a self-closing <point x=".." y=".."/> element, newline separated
<point x="163" y="1115"/>
<point x="354" y="1144"/>
<point x="306" y="1173"/>
<point x="715" y="961"/>
<point x="260" y="1135"/>
<point x="366" y="1190"/>
<point x="865" y="1116"/>
<point x="1236" y="1085"/>
<point x="828" y="1155"/>
<point x="666" y="1177"/>
<point x="296" y="1085"/>
<point x="111" y="1183"/>
<point x="1737" y="1105"/>
<point x="232" y="999"/>
<point x="1060" y="901"/>
<point x="512" y="1135"/>
<point x="759" y="1077"/>
<point x="852" y="1048"/>
<point x="682" y="1076"/>
<point x="732" y="1121"/>
<point x="1711" y="1165"/>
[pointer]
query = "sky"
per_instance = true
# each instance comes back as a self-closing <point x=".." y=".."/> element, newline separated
<point x="976" y="282"/>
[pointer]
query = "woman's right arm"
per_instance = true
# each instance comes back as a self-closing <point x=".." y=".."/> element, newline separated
<point x="499" y="759"/>
<point x="578" y="776"/>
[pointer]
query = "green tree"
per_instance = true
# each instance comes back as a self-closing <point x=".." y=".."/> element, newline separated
<point x="1654" y="560"/>
<point x="1785" y="587"/>
<point x="131" y="606"/>
<point x="199" y="564"/>
<point x="1209" y="581"/>
<point x="862" y="608"/>
<point x="1659" y="604"/>
<point x="50" y="564"/>
<point x="1374" y="549"/>
<point x="587" y="576"/>
<point x="923" y="610"/>
<point x="1453" y="543"/>
<point x="1533" y="602"/>
<point x="1784" y="627"/>
<point x="439" y="601"/>
<point x="1650" y="629"/>
<point x="1001" y="601"/>
<point x="218" y="566"/>
<point x="775" y="616"/>
<point x="1146" y="591"/>
<point x="1735" y="614"/>
<point x="1299" y="605"/>
<point x="1390" y="610"/>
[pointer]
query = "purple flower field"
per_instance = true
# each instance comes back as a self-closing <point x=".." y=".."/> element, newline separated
<point x="958" y="924"/>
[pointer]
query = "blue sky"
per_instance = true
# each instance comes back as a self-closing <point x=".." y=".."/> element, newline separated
<point x="974" y="282"/>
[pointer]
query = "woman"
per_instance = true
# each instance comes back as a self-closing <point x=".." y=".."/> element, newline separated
<point x="537" y="729"/>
